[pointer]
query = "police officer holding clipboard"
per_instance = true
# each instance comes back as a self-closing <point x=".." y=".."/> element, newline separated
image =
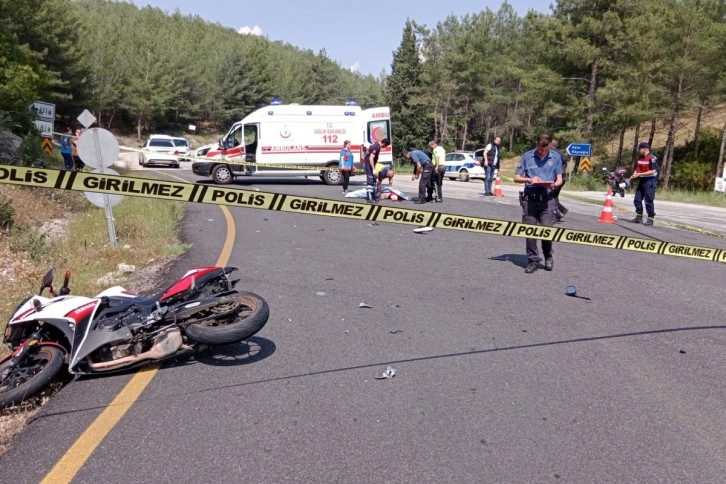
<point x="541" y="172"/>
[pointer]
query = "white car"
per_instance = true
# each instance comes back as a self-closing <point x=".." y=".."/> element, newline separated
<point x="182" y="145"/>
<point x="462" y="165"/>
<point x="159" y="151"/>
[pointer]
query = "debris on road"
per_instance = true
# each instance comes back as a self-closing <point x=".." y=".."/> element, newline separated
<point x="389" y="372"/>
<point x="423" y="230"/>
<point x="395" y="331"/>
<point x="321" y="293"/>
<point x="364" y="305"/>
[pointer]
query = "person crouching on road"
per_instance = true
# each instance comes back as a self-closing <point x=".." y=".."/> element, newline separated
<point x="345" y="165"/>
<point x="646" y="172"/>
<point x="541" y="172"/>
<point x="383" y="173"/>
<point x="370" y="166"/>
<point x="423" y="170"/>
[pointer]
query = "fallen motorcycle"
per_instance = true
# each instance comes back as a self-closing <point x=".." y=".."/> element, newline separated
<point x="119" y="330"/>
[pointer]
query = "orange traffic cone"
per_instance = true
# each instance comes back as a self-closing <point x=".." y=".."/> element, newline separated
<point x="606" y="216"/>
<point x="498" y="187"/>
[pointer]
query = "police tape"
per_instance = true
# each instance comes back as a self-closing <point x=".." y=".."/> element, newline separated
<point x="234" y="161"/>
<point x="233" y="197"/>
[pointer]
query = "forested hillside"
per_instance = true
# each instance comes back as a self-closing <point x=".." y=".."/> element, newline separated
<point x="590" y="70"/>
<point x="145" y="69"/>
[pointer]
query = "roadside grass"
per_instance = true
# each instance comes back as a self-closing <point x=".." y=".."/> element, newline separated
<point x="50" y="228"/>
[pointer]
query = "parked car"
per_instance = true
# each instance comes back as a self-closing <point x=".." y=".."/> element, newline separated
<point x="462" y="165"/>
<point x="182" y="145"/>
<point x="159" y="151"/>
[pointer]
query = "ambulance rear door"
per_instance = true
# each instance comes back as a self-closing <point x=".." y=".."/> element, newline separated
<point x="377" y="126"/>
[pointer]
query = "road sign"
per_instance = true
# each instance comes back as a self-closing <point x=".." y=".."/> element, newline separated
<point x="99" y="199"/>
<point x="585" y="164"/>
<point x="98" y="147"/>
<point x="43" y="110"/>
<point x="579" y="149"/>
<point x="86" y="118"/>
<point x="45" y="128"/>
<point x="44" y="114"/>
<point x="47" y="146"/>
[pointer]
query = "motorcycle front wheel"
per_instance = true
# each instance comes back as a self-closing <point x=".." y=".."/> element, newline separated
<point x="248" y="318"/>
<point x="30" y="375"/>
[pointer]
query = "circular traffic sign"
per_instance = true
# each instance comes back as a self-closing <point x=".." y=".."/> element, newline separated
<point x="99" y="199"/>
<point x="98" y="147"/>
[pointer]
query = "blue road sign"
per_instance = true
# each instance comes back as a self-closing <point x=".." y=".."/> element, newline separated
<point x="578" y="149"/>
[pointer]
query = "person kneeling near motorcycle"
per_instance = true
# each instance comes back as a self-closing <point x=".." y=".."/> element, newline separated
<point x="646" y="172"/>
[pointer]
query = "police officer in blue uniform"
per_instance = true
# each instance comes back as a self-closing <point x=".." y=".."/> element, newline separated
<point x="423" y="170"/>
<point x="541" y="172"/>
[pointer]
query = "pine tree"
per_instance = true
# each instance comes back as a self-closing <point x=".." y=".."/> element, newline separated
<point x="404" y="94"/>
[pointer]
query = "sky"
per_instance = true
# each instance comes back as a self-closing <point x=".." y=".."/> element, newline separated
<point x="360" y="37"/>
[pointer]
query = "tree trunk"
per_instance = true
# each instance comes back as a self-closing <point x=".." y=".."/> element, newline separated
<point x="668" y="155"/>
<point x="652" y="132"/>
<point x="591" y="101"/>
<point x="719" y="166"/>
<point x="696" y="138"/>
<point x="620" y="146"/>
<point x="634" y="158"/>
<point x="138" y="128"/>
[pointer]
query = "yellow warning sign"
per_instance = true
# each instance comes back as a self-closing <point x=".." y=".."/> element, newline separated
<point x="47" y="145"/>
<point x="585" y="164"/>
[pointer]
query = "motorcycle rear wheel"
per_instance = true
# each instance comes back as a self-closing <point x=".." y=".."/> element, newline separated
<point x="31" y="375"/>
<point x="247" y="320"/>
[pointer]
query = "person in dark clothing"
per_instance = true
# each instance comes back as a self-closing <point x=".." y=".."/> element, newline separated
<point x="646" y="172"/>
<point x="491" y="164"/>
<point x="541" y="172"/>
<point x="561" y="209"/>
<point x="423" y="170"/>
<point x="370" y="166"/>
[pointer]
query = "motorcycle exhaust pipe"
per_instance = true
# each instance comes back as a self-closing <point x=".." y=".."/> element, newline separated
<point x="164" y="345"/>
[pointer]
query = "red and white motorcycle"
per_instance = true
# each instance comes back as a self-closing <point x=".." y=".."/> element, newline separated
<point x="118" y="330"/>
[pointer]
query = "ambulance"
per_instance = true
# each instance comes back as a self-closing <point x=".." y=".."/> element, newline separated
<point x="296" y="140"/>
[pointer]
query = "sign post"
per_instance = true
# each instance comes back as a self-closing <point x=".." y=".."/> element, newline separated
<point x="44" y="118"/>
<point x="99" y="149"/>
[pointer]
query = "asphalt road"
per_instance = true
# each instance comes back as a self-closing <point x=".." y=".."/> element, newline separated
<point x="500" y="377"/>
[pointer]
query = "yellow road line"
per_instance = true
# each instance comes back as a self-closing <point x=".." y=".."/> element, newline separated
<point x="71" y="462"/>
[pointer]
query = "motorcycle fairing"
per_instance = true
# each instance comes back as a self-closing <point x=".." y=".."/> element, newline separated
<point x="185" y="283"/>
<point x="87" y="341"/>
<point x="66" y="326"/>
